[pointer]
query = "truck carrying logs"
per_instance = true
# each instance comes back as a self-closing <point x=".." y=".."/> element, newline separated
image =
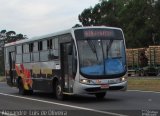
<point x="143" y="61"/>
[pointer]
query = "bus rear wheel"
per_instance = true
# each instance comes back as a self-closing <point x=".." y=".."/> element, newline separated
<point x="59" y="91"/>
<point x="22" y="91"/>
<point x="100" y="95"/>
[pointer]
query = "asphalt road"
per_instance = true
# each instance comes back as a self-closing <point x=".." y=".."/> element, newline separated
<point x="131" y="103"/>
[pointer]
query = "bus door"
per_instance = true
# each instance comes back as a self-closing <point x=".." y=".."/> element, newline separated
<point x="66" y="66"/>
<point x="12" y="80"/>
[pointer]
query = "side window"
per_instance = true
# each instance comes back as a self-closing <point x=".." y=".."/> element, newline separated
<point x="31" y="47"/>
<point x="40" y="46"/>
<point x="49" y="44"/>
<point x="19" y="54"/>
<point x="26" y="54"/>
<point x="44" y="52"/>
<point x="25" y="48"/>
<point x="53" y="42"/>
<point x="56" y="43"/>
<point x="19" y="49"/>
<point x="35" y="55"/>
<point x="44" y="45"/>
<point x="6" y="56"/>
<point x="35" y="46"/>
<point x="54" y="52"/>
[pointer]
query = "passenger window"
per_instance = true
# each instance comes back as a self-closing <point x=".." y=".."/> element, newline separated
<point x="54" y="52"/>
<point x="45" y="45"/>
<point x="35" y="47"/>
<point x="25" y="48"/>
<point x="31" y="47"/>
<point x="53" y="44"/>
<point x="56" y="43"/>
<point x="49" y="44"/>
<point x="19" y="49"/>
<point x="6" y="56"/>
<point x="40" y="46"/>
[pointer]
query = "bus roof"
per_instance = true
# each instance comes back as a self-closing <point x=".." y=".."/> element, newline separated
<point x="54" y="34"/>
<point x="37" y="38"/>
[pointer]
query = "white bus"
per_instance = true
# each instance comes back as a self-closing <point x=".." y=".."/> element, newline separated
<point x="82" y="60"/>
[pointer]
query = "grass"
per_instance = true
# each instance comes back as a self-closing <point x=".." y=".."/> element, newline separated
<point x="2" y="79"/>
<point x="145" y="84"/>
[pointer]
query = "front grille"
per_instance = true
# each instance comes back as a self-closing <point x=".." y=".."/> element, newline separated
<point x="95" y="89"/>
<point x="116" y="88"/>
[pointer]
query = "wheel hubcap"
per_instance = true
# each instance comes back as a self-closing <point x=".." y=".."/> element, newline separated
<point x="58" y="90"/>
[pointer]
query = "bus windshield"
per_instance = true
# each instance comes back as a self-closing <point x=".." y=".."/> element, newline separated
<point x="101" y="56"/>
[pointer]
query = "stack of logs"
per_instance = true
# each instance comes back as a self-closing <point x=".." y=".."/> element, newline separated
<point x="153" y="55"/>
<point x="133" y="56"/>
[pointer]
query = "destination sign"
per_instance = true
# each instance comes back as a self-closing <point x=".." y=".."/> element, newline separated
<point x="98" y="33"/>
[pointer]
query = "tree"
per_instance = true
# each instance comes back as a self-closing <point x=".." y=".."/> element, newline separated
<point x="2" y="34"/>
<point x="10" y="36"/>
<point x="136" y="20"/>
<point x="139" y="19"/>
<point x="156" y="22"/>
<point x="104" y="13"/>
<point x="77" y="25"/>
<point x="85" y="17"/>
<point x="6" y="37"/>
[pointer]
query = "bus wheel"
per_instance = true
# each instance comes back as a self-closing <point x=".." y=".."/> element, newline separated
<point x="30" y="92"/>
<point x="100" y="95"/>
<point x="59" y="92"/>
<point x="22" y="91"/>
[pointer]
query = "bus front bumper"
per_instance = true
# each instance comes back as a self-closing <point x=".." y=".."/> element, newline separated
<point x="80" y="88"/>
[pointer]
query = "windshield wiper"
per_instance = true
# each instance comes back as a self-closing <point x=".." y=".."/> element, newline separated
<point x="108" y="47"/>
<point x="93" y="48"/>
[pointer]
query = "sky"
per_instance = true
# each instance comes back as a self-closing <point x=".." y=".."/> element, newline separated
<point x="40" y="17"/>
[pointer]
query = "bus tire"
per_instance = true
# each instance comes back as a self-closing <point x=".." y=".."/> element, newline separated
<point x="22" y="91"/>
<point x="59" y="91"/>
<point x="30" y="92"/>
<point x="100" y="95"/>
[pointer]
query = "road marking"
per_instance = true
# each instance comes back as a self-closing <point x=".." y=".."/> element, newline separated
<point x="7" y="114"/>
<point x="144" y="91"/>
<point x="66" y="105"/>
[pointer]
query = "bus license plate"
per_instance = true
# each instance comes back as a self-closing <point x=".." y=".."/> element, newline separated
<point x="104" y="86"/>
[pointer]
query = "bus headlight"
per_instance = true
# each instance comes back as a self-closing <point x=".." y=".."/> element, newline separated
<point x="85" y="81"/>
<point x="124" y="78"/>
